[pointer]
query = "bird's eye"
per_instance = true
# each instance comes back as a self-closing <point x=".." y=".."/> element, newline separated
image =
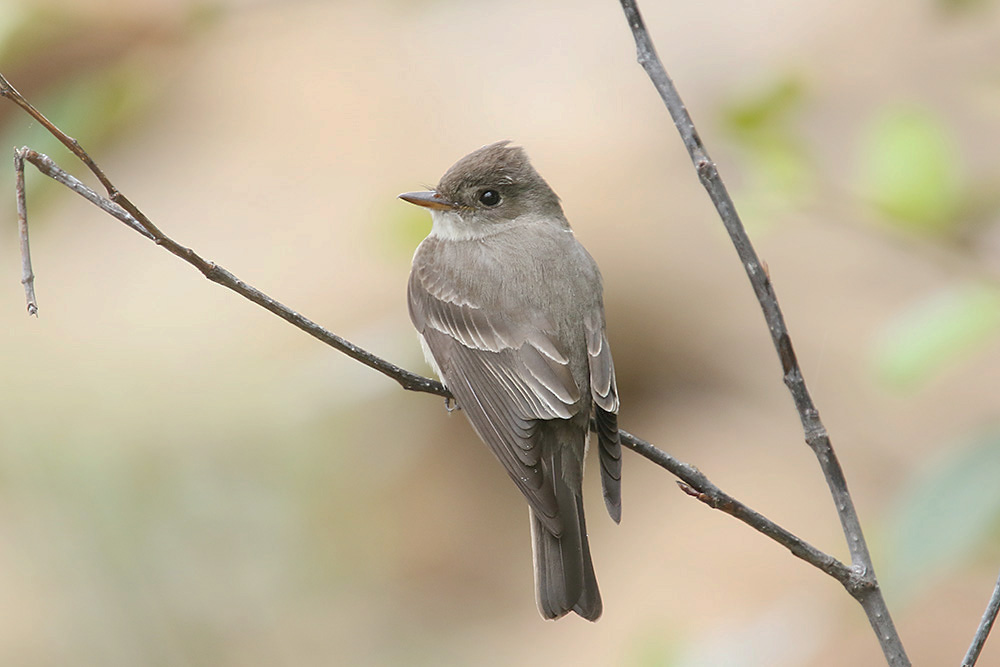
<point x="489" y="197"/>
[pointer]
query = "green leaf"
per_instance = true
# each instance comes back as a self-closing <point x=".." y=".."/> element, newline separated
<point x="936" y="332"/>
<point x="945" y="516"/>
<point x="911" y="170"/>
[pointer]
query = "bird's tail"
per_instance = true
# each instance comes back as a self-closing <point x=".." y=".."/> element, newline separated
<point x="564" y="572"/>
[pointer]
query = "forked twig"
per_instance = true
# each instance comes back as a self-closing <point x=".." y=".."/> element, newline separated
<point x="211" y="270"/>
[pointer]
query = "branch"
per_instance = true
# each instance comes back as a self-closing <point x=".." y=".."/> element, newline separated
<point x="985" y="625"/>
<point x="865" y="589"/>
<point x="211" y="270"/>
<point x="27" y="275"/>
<point x="696" y="484"/>
<point x="693" y="481"/>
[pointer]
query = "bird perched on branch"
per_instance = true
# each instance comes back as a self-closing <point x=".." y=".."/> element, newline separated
<point x="510" y="313"/>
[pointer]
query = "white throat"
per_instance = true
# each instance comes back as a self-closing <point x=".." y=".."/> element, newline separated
<point x="449" y="226"/>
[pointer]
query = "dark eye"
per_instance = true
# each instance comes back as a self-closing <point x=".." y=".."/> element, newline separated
<point x="489" y="197"/>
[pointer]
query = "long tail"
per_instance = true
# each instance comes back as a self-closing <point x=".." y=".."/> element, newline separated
<point x="564" y="572"/>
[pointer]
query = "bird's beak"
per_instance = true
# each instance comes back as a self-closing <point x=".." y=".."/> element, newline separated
<point x="429" y="199"/>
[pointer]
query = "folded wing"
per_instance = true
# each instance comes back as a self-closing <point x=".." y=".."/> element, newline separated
<point x="505" y="378"/>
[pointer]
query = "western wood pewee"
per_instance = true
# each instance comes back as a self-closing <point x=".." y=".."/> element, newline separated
<point x="510" y="313"/>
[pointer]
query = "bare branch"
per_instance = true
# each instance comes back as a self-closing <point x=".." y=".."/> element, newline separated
<point x="47" y="166"/>
<point x="27" y="275"/>
<point x="696" y="484"/>
<point x="866" y="590"/>
<point x="985" y="625"/>
<point x="218" y="274"/>
<point x="11" y="93"/>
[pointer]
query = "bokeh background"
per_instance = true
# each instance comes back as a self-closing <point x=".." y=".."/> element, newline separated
<point x="187" y="480"/>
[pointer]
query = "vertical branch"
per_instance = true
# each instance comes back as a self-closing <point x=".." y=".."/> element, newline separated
<point x="864" y="587"/>
<point x="27" y="275"/>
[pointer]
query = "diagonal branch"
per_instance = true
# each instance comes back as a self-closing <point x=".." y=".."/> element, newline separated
<point x="693" y="481"/>
<point x="215" y="273"/>
<point x="696" y="484"/>
<point x="866" y="591"/>
<point x="985" y="625"/>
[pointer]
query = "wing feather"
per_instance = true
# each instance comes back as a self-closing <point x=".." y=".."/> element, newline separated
<point x="504" y="378"/>
<point x="602" y="367"/>
<point x="507" y="372"/>
<point x="556" y="378"/>
<point x="495" y="417"/>
<point x="604" y="391"/>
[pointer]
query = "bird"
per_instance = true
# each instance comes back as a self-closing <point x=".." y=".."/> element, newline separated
<point x="509" y="309"/>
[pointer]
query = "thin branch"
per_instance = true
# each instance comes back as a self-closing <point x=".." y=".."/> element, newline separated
<point x="865" y="590"/>
<point x="47" y="166"/>
<point x="696" y="484"/>
<point x="985" y="625"/>
<point x="693" y="481"/>
<point x="218" y="274"/>
<point x="27" y="275"/>
<point x="11" y="93"/>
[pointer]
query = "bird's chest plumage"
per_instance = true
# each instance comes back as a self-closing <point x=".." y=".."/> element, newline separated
<point x="503" y="292"/>
<point x="516" y="272"/>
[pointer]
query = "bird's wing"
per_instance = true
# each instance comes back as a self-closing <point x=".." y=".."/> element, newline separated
<point x="505" y="377"/>
<point x="604" y="391"/>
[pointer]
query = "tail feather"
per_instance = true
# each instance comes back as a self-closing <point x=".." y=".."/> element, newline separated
<point x="564" y="572"/>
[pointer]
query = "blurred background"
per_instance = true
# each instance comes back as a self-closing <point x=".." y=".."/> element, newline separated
<point x="187" y="480"/>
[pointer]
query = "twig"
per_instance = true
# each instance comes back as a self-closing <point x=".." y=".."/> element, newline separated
<point x="11" y="93"/>
<point x="696" y="484"/>
<point x="865" y="587"/>
<point x="985" y="625"/>
<point x="27" y="275"/>
<point x="48" y="167"/>
<point x="218" y="274"/>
